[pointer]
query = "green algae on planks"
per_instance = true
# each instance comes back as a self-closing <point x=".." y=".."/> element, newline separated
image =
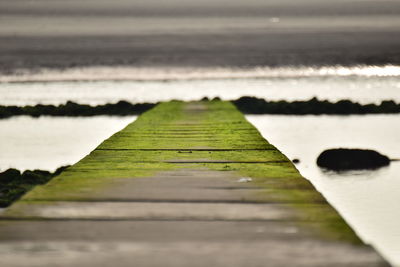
<point x="210" y="135"/>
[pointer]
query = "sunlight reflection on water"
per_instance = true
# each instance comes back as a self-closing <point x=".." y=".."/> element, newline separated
<point x="98" y="73"/>
<point x="368" y="84"/>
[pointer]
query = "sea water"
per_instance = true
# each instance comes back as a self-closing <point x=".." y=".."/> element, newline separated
<point x="100" y="85"/>
<point x="47" y="143"/>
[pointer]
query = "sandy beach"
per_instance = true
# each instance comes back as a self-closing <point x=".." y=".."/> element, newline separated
<point x="59" y="34"/>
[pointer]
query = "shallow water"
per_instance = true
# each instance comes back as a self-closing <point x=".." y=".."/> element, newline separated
<point x="365" y="85"/>
<point x="368" y="200"/>
<point x="50" y="142"/>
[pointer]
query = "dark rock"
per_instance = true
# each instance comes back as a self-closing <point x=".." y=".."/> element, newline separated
<point x="351" y="159"/>
<point x="35" y="177"/>
<point x="122" y="108"/>
<point x="9" y="175"/>
<point x="254" y="105"/>
<point x="295" y="161"/>
<point x="13" y="183"/>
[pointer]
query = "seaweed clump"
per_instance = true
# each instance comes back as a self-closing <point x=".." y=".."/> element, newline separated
<point x="254" y="105"/>
<point x="14" y="184"/>
<point x="122" y="108"/>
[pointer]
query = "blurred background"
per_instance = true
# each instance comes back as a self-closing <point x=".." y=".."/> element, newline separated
<point x="56" y="33"/>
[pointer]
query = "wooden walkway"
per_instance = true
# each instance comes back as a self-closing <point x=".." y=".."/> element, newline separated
<point x="186" y="184"/>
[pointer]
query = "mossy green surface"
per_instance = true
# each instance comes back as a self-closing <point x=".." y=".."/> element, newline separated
<point x="208" y="135"/>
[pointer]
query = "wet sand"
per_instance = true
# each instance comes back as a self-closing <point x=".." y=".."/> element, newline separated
<point x="57" y="34"/>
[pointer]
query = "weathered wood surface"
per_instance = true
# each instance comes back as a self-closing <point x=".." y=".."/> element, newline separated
<point x="167" y="191"/>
